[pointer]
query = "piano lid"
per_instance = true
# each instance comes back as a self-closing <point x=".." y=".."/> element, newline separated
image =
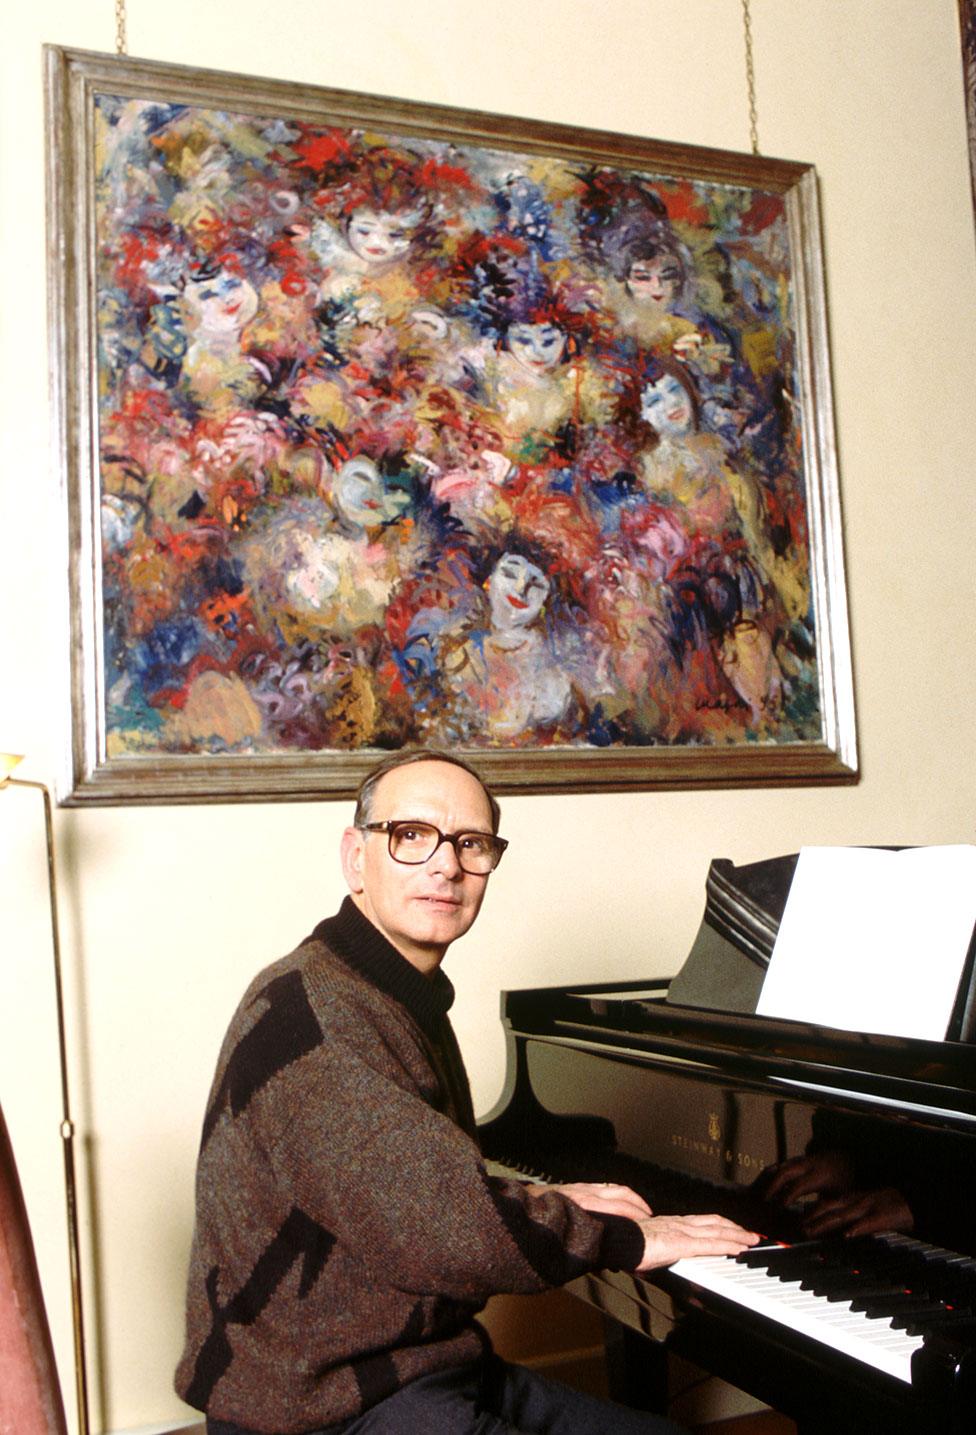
<point x="932" y="1081"/>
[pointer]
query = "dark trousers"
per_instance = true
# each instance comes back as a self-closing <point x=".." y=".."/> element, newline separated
<point x="491" y="1398"/>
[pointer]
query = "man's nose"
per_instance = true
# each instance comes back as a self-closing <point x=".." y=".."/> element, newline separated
<point x="444" y="859"/>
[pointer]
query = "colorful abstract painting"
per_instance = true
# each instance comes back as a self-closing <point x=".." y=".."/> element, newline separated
<point x="414" y="440"/>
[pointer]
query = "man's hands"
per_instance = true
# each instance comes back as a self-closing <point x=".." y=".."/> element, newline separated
<point x="666" y="1238"/>
<point x="604" y="1198"/>
<point x="671" y="1238"/>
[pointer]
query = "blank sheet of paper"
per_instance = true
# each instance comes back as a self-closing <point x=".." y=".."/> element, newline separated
<point x="872" y="940"/>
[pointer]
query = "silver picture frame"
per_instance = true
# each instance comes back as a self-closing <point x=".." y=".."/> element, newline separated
<point x="102" y="768"/>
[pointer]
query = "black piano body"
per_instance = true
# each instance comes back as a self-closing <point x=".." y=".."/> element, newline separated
<point x="693" y="1107"/>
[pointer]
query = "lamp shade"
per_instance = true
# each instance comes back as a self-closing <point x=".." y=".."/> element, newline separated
<point x="8" y="761"/>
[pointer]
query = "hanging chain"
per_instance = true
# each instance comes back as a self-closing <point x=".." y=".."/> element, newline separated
<point x="120" y="27"/>
<point x="750" y="79"/>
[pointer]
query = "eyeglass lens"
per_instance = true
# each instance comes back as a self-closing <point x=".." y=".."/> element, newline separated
<point x="415" y="842"/>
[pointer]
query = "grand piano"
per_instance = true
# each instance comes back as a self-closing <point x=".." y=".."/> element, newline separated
<point x="679" y="1090"/>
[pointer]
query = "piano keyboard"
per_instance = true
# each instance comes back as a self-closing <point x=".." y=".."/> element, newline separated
<point x="872" y="1298"/>
<point x="830" y="1323"/>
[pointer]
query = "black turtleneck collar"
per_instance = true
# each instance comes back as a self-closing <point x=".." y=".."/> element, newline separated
<point x="354" y="938"/>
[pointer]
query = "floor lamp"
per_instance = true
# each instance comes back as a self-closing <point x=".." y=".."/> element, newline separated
<point x="8" y="761"/>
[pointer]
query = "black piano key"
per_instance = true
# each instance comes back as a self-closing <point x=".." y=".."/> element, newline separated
<point x="783" y="1270"/>
<point x="960" y="1323"/>
<point x="780" y="1257"/>
<point x="834" y="1280"/>
<point x="933" y="1320"/>
<point x="950" y="1292"/>
<point x="937" y="1255"/>
<point x="905" y="1306"/>
<point x="862" y="1294"/>
<point x="863" y="1298"/>
<point x="920" y="1321"/>
<point x="942" y="1282"/>
<point x="756" y="1257"/>
<point x="814" y="1268"/>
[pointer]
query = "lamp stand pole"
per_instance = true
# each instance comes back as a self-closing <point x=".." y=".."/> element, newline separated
<point x="67" y="1125"/>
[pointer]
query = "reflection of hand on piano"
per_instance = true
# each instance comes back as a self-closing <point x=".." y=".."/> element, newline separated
<point x="802" y="1176"/>
<point x="859" y="1213"/>
<point x="837" y="1207"/>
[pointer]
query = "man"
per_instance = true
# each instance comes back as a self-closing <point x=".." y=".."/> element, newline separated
<point x="347" y="1232"/>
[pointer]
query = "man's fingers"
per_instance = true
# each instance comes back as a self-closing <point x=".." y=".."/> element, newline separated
<point x="671" y="1238"/>
<point x="605" y="1197"/>
<point x="701" y="1226"/>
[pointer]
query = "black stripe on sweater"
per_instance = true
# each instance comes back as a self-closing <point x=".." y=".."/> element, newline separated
<point x="287" y="1030"/>
<point x="376" y="1375"/>
<point x="298" y="1238"/>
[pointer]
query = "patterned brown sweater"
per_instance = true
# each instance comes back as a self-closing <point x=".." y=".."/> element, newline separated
<point x="346" y="1229"/>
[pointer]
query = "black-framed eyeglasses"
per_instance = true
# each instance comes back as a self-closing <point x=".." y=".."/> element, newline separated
<point x="414" y="843"/>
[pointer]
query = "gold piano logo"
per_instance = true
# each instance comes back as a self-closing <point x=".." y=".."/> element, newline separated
<point x="713" y="1150"/>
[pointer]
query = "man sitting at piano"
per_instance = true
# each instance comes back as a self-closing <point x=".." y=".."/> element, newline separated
<point x="347" y="1232"/>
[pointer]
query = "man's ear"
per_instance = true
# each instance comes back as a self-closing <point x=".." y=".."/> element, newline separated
<point x="351" y="851"/>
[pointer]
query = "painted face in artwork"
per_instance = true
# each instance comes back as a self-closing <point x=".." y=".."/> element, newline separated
<point x="362" y="496"/>
<point x="222" y="305"/>
<point x="517" y="590"/>
<point x="538" y="347"/>
<point x="666" y="405"/>
<point x="656" y="280"/>
<point x="377" y="237"/>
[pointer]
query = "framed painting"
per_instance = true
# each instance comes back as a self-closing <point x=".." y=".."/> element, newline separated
<point x="385" y="424"/>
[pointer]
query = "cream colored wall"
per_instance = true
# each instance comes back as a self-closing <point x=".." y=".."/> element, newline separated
<point x="168" y="912"/>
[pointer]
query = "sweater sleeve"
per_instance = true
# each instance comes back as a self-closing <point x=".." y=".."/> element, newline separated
<point x="364" y="1154"/>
